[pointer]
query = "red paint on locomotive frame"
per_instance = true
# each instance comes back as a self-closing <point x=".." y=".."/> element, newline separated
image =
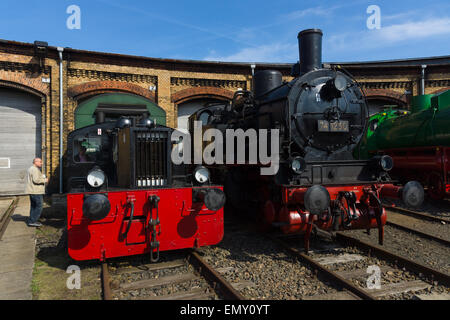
<point x="183" y="224"/>
<point x="298" y="220"/>
<point x="430" y="165"/>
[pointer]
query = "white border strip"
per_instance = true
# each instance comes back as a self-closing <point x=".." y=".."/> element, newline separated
<point x="9" y="163"/>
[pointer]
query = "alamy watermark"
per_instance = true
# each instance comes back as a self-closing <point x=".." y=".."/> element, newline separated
<point x="374" y="20"/>
<point x="74" y="20"/>
<point x="74" y="280"/>
<point x="213" y="153"/>
<point x="374" y="280"/>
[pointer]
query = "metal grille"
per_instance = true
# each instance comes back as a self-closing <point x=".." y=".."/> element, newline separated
<point x="151" y="159"/>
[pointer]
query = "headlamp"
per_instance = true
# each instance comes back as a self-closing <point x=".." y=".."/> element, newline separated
<point x="386" y="163"/>
<point x="201" y="174"/>
<point x="298" y="165"/>
<point x="96" y="178"/>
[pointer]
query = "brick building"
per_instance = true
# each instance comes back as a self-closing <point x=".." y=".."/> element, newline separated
<point x="169" y="90"/>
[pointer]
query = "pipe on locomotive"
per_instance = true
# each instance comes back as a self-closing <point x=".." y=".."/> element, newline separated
<point x="310" y="50"/>
<point x="310" y="54"/>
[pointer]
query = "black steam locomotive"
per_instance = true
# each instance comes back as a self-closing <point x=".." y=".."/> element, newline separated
<point x="321" y="115"/>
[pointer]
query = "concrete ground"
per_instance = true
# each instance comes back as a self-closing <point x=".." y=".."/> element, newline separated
<point x="17" y="253"/>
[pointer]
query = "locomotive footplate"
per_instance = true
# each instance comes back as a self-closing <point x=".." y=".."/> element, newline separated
<point x="333" y="208"/>
<point x="142" y="222"/>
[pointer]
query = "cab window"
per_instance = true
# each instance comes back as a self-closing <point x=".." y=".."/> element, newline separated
<point x="204" y="117"/>
<point x="86" y="149"/>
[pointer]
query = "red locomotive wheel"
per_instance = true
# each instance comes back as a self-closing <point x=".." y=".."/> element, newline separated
<point x="436" y="188"/>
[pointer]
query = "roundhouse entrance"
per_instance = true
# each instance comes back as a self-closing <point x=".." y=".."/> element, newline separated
<point x="20" y="132"/>
<point x="111" y="106"/>
<point x="186" y="109"/>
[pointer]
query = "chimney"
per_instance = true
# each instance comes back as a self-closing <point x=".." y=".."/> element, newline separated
<point x="310" y="49"/>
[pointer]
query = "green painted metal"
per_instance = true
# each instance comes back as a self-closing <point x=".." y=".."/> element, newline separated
<point x="368" y="142"/>
<point x="84" y="114"/>
<point x="421" y="102"/>
<point x="429" y="125"/>
<point x="441" y="101"/>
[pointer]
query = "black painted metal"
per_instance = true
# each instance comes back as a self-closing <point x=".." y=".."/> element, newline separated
<point x="321" y="127"/>
<point x="310" y="47"/>
<point x="150" y="154"/>
<point x="213" y="198"/>
<point x="146" y="153"/>
<point x="266" y="80"/>
<point x="99" y="117"/>
<point x="96" y="207"/>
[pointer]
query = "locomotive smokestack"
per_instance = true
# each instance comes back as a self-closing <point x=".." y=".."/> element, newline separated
<point x="310" y="48"/>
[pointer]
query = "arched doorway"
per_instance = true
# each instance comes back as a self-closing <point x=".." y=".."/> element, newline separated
<point x="115" y="105"/>
<point x="20" y="132"/>
<point x="187" y="108"/>
<point x="378" y="104"/>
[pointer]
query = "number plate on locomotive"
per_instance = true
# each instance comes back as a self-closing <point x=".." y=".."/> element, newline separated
<point x="336" y="126"/>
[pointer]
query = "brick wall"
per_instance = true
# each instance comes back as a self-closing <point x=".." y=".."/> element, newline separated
<point x="168" y="83"/>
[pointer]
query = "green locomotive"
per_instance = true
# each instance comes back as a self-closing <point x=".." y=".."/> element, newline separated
<point x="418" y="140"/>
<point x="368" y="143"/>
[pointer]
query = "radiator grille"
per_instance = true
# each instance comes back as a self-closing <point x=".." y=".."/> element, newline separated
<point x="151" y="159"/>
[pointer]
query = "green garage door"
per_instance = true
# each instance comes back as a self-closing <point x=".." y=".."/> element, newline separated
<point x="85" y="112"/>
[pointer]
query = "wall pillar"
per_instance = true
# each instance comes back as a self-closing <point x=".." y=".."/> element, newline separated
<point x="164" y="100"/>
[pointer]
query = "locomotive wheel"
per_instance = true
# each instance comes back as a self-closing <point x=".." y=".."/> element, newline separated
<point x="436" y="188"/>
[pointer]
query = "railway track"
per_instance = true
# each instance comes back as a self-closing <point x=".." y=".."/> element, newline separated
<point x="417" y="224"/>
<point x="349" y="271"/>
<point x="190" y="278"/>
<point x="340" y="268"/>
<point x="350" y="291"/>
<point x="416" y="214"/>
<point x="402" y="262"/>
<point x="5" y="215"/>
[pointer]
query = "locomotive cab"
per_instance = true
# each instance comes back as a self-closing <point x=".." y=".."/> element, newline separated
<point x="90" y="149"/>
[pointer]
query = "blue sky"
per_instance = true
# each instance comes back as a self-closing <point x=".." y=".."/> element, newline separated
<point x="242" y="31"/>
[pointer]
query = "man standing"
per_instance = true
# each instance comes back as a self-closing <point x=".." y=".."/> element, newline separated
<point x="35" y="188"/>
